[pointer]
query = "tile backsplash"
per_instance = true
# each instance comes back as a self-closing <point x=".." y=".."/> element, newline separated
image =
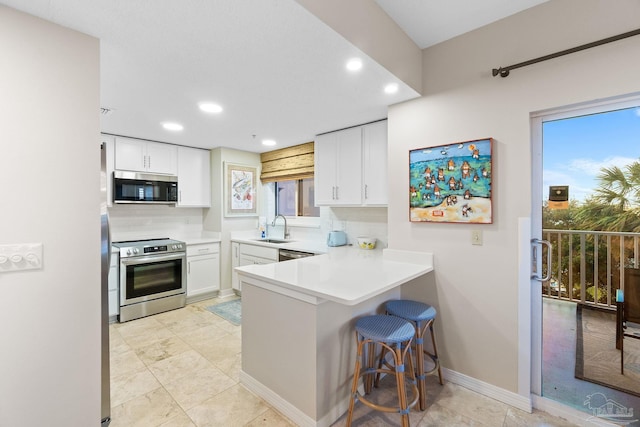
<point x="130" y="222"/>
<point x="356" y="222"/>
<point x="150" y="221"/>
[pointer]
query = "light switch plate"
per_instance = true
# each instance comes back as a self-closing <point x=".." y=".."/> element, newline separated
<point x="476" y="237"/>
<point x="20" y="256"/>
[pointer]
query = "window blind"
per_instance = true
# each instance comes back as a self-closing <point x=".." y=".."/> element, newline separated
<point x="288" y="163"/>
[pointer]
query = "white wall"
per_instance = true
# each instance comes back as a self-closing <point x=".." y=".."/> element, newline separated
<point x="214" y="219"/>
<point x="476" y="290"/>
<point x="50" y="174"/>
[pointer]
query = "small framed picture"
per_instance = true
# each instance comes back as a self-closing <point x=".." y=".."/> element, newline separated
<point x="240" y="190"/>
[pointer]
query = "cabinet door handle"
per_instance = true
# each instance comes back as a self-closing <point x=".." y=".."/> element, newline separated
<point x="189" y="268"/>
<point x="203" y="250"/>
<point x="366" y="192"/>
<point x="337" y="196"/>
<point x="149" y="161"/>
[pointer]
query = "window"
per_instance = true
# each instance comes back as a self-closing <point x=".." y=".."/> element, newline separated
<point x="296" y="198"/>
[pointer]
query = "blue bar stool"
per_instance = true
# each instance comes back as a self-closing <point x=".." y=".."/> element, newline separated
<point x="422" y="317"/>
<point x="394" y="335"/>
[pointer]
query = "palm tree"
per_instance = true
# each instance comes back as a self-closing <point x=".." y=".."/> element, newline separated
<point x="615" y="205"/>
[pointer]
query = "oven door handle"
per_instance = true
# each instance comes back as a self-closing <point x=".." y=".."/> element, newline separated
<point x="152" y="258"/>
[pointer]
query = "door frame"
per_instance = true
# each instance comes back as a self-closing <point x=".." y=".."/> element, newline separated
<point x="535" y="230"/>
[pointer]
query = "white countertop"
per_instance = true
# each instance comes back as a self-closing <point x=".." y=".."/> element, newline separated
<point x="346" y="275"/>
<point x="196" y="240"/>
<point x="312" y="246"/>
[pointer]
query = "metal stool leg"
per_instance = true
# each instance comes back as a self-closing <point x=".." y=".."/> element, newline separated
<point x="370" y="366"/>
<point x="421" y="377"/>
<point x="434" y="356"/>
<point x="402" y="391"/>
<point x="356" y="375"/>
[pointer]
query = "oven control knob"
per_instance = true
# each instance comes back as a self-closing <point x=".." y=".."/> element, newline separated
<point x="128" y="251"/>
<point x="135" y="250"/>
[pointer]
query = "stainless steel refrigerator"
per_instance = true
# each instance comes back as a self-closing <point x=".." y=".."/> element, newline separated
<point x="105" y="251"/>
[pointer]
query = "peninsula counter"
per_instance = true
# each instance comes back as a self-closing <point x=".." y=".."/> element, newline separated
<point x="298" y="317"/>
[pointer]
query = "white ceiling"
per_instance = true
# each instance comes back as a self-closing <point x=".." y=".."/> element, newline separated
<point x="278" y="72"/>
<point x="429" y="22"/>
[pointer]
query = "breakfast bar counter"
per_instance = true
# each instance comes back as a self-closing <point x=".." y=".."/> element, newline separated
<point x="298" y="317"/>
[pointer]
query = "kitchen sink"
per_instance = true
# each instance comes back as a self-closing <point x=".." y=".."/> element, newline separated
<point x="273" y="240"/>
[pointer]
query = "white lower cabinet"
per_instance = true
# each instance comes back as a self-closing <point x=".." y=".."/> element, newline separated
<point x="250" y="254"/>
<point x="235" y="262"/>
<point x="114" y="278"/>
<point x="203" y="270"/>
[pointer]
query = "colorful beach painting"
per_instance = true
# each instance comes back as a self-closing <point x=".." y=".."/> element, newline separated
<point x="451" y="183"/>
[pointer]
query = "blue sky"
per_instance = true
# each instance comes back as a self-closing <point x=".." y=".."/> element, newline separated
<point x="576" y="149"/>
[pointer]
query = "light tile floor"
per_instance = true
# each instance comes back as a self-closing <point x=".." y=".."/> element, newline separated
<point x="181" y="368"/>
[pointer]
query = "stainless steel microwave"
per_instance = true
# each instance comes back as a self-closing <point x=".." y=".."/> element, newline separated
<point x="138" y="187"/>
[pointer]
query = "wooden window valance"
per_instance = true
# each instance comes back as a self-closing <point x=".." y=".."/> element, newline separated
<point x="287" y="163"/>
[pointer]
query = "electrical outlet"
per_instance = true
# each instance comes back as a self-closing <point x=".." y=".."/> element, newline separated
<point x="476" y="237"/>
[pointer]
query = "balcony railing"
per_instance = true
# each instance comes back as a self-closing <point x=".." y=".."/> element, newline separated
<point x="588" y="266"/>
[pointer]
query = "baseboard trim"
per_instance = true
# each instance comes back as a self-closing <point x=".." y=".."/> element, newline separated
<point x="275" y="400"/>
<point x="225" y="293"/>
<point x="489" y="390"/>
<point x="568" y="413"/>
<point x="202" y="296"/>
<point x="527" y="404"/>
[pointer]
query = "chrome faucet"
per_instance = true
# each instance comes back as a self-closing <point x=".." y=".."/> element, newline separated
<point x="286" y="230"/>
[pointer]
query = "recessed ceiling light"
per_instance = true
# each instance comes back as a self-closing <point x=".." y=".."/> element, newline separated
<point x="268" y="142"/>
<point x="209" y="107"/>
<point x="391" y="88"/>
<point x="172" y="126"/>
<point x="354" y="64"/>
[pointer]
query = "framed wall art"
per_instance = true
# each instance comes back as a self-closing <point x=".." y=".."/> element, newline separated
<point x="451" y="183"/>
<point x="240" y="190"/>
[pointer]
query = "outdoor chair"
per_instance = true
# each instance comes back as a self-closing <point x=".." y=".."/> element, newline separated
<point x="628" y="311"/>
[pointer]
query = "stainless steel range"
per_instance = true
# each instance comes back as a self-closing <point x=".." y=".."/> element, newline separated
<point x="153" y="277"/>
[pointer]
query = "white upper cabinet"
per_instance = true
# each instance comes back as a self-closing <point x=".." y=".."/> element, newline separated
<point x="146" y="156"/>
<point x="374" y="164"/>
<point x="194" y="177"/>
<point x="351" y="166"/>
<point x="338" y="168"/>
